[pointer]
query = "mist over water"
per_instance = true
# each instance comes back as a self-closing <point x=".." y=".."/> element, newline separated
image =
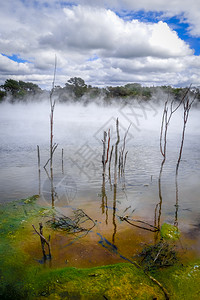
<point x="24" y="126"/>
<point x="79" y="131"/>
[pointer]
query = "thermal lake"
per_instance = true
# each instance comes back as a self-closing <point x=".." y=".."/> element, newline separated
<point x="78" y="180"/>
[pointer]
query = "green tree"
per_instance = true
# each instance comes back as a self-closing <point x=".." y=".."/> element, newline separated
<point x="11" y="87"/>
<point x="20" y="89"/>
<point x="2" y="95"/>
<point x="77" y="86"/>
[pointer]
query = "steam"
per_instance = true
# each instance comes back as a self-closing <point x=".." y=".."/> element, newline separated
<point x="23" y="126"/>
<point x="28" y="123"/>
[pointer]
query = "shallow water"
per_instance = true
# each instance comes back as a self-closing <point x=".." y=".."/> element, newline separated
<point x="78" y="182"/>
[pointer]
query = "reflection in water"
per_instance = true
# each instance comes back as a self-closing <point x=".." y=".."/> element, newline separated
<point x="112" y="248"/>
<point x="119" y="164"/>
<point x="114" y="213"/>
<point x="146" y="226"/>
<point x="169" y="110"/>
<point x="19" y="165"/>
<point x="52" y="188"/>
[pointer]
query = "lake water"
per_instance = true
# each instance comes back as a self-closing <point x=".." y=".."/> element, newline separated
<point x="78" y="182"/>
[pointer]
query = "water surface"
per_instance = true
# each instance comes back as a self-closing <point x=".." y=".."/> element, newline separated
<point x="78" y="182"/>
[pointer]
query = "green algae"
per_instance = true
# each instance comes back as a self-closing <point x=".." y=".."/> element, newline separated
<point x="22" y="278"/>
<point x="120" y="281"/>
<point x="182" y="281"/>
<point x="13" y="271"/>
<point x="169" y="232"/>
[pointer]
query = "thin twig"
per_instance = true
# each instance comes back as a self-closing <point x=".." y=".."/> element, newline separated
<point x="43" y="240"/>
<point x="155" y="229"/>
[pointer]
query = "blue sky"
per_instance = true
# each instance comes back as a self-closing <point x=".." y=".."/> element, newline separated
<point x="177" y="23"/>
<point x="15" y="57"/>
<point x="105" y="43"/>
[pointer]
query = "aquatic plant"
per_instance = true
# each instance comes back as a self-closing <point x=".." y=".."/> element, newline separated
<point x="79" y="223"/>
<point x="169" y="232"/>
<point x="157" y="256"/>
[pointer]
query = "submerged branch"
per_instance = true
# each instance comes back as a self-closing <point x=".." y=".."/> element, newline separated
<point x="43" y="240"/>
<point x="155" y="229"/>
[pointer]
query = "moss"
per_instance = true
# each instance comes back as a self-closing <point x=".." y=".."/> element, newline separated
<point x="169" y="232"/>
<point x="120" y="281"/>
<point x="23" y="278"/>
<point x="13" y="270"/>
<point x="183" y="282"/>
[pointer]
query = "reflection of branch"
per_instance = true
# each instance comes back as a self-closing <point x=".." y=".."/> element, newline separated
<point x="53" y="193"/>
<point x="114" y="212"/>
<point x="125" y="161"/>
<point x="103" y="193"/>
<point x="153" y="228"/>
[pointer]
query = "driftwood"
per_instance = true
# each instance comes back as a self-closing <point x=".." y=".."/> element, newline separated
<point x="43" y="241"/>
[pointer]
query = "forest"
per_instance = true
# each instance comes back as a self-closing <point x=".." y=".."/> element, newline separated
<point x="76" y="90"/>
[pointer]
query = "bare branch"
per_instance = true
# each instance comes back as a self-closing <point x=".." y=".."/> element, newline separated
<point x="43" y="240"/>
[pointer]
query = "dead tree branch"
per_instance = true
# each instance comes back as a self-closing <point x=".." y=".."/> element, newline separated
<point x="108" y="147"/>
<point x="169" y="109"/>
<point x="43" y="241"/>
<point x="122" y="160"/>
<point x="52" y="106"/>
<point x="116" y="151"/>
<point x="187" y="104"/>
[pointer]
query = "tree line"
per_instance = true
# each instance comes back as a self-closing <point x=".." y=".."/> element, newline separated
<point x="76" y="90"/>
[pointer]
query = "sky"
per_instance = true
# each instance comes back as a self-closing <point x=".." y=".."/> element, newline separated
<point x="107" y="43"/>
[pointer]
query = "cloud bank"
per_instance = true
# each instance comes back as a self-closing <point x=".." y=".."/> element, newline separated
<point x="96" y="41"/>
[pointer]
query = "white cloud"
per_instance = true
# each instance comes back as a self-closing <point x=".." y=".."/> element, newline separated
<point x="125" y="50"/>
<point x="87" y="28"/>
<point x="189" y="8"/>
<point x="8" y="66"/>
